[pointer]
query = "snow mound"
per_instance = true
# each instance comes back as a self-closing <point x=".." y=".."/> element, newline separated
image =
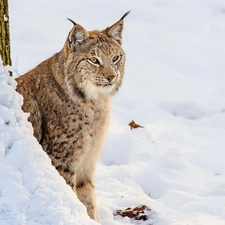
<point x="31" y="191"/>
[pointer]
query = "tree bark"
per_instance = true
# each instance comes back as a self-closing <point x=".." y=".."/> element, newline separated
<point x="4" y="33"/>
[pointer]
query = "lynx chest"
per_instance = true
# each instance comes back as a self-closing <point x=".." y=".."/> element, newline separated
<point x="73" y="130"/>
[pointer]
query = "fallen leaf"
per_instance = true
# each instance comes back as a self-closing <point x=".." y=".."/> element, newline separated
<point x="137" y="213"/>
<point x="133" y="125"/>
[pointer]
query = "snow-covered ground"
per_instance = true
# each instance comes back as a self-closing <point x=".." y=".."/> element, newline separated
<point x="31" y="191"/>
<point x="174" y="87"/>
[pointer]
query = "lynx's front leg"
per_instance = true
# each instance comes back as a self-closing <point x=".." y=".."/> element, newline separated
<point x="86" y="193"/>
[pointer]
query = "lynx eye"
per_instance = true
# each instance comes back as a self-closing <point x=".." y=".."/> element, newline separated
<point x="93" y="60"/>
<point x="116" y="58"/>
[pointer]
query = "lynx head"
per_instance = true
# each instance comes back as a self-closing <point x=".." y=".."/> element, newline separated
<point x="94" y="61"/>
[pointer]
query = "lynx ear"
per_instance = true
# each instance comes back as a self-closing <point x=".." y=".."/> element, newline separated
<point x="77" y="35"/>
<point x="115" y="31"/>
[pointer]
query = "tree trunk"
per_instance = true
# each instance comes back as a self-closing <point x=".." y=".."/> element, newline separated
<point x="4" y="33"/>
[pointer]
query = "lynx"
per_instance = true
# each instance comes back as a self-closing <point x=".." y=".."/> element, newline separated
<point x="68" y="97"/>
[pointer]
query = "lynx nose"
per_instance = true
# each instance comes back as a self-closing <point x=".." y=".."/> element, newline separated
<point x="110" y="78"/>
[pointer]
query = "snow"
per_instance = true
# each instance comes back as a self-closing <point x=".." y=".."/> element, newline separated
<point x="5" y="18"/>
<point x="31" y="191"/>
<point x="174" y="87"/>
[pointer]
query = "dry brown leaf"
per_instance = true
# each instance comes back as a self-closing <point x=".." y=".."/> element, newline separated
<point x="137" y="213"/>
<point x="133" y="125"/>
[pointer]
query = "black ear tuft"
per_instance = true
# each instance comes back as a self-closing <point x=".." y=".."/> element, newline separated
<point x="125" y="15"/>
<point x="72" y="21"/>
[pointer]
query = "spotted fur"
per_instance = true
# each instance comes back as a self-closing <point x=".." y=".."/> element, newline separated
<point x="68" y="97"/>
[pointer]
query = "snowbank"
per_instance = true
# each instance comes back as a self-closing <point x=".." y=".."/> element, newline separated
<point x="31" y="190"/>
